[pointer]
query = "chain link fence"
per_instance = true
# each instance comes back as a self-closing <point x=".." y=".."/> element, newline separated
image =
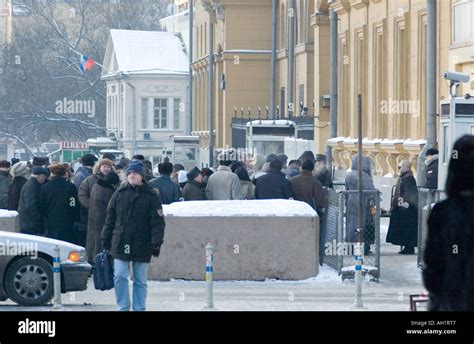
<point x="337" y="245"/>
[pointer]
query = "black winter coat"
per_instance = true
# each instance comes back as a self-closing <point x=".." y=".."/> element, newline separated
<point x="403" y="227"/>
<point x="449" y="255"/>
<point x="31" y="219"/>
<point x="134" y="224"/>
<point x="60" y="208"/>
<point x="273" y="185"/>
<point x="13" y="194"/>
<point x="432" y="175"/>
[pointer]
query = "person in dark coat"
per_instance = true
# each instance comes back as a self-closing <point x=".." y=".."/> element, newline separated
<point x="403" y="228"/>
<point x="273" y="184"/>
<point x="86" y="170"/>
<point x="194" y="190"/>
<point x="5" y="180"/>
<point x="29" y="210"/>
<point x="308" y="189"/>
<point x="431" y="163"/>
<point x="19" y="173"/>
<point x="169" y="192"/>
<point x="99" y="171"/>
<point x="352" y="203"/>
<point x="321" y="172"/>
<point x="59" y="204"/>
<point x="100" y="196"/>
<point x="133" y="231"/>
<point x="448" y="272"/>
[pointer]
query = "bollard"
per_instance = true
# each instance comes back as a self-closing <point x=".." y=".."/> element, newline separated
<point x="57" y="304"/>
<point x="358" y="276"/>
<point x="209" y="261"/>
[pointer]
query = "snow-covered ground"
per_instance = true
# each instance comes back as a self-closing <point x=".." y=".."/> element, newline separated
<point x="399" y="278"/>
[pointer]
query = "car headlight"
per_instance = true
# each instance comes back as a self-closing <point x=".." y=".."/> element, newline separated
<point x="76" y="256"/>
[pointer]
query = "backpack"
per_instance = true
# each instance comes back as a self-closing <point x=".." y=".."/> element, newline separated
<point x="104" y="271"/>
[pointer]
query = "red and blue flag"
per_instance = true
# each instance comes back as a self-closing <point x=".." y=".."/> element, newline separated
<point x="86" y="63"/>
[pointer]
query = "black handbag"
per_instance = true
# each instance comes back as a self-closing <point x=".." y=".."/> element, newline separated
<point x="104" y="271"/>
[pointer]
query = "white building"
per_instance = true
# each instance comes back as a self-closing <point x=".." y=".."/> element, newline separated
<point x="146" y="73"/>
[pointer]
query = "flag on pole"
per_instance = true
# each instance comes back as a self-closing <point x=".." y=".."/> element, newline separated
<point x="86" y="63"/>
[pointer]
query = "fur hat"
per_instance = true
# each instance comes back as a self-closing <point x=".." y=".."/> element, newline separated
<point x="20" y="169"/>
<point x="102" y="162"/>
<point x="308" y="165"/>
<point x="88" y="160"/>
<point x="4" y="164"/>
<point x="40" y="161"/>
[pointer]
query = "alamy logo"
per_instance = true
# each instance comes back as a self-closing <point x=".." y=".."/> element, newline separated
<point x="15" y="248"/>
<point x="78" y="107"/>
<point x="37" y="327"/>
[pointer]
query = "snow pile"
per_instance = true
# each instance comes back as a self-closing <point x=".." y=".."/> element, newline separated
<point x="254" y="208"/>
<point x="8" y="213"/>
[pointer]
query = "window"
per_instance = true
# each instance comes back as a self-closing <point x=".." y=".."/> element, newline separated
<point x="160" y="118"/>
<point x="144" y="113"/>
<point x="463" y="12"/>
<point x="282" y="102"/>
<point x="190" y="154"/>
<point x="176" y="112"/>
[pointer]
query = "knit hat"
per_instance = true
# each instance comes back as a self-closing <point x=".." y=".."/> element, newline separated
<point x="182" y="176"/>
<point x="270" y="157"/>
<point x="137" y="167"/>
<point x="307" y="165"/>
<point x="193" y="173"/>
<point x="276" y="165"/>
<point x="20" y="169"/>
<point x="39" y="170"/>
<point x="58" y="170"/>
<point x="88" y="160"/>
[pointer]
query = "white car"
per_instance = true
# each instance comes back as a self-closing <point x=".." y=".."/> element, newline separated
<point x="26" y="268"/>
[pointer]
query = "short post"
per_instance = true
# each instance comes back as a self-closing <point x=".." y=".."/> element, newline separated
<point x="57" y="304"/>
<point x="209" y="262"/>
<point x="358" y="275"/>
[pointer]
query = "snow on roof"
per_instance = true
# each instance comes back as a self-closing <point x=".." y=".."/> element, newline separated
<point x="253" y="208"/>
<point x="7" y="213"/>
<point x="149" y="52"/>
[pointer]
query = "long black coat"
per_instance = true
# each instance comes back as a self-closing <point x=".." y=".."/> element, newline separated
<point x="31" y="219"/>
<point x="100" y="196"/>
<point x="13" y="194"/>
<point x="60" y="208"/>
<point x="432" y="174"/>
<point x="134" y="224"/>
<point x="403" y="228"/>
<point x="449" y="255"/>
<point x="273" y="185"/>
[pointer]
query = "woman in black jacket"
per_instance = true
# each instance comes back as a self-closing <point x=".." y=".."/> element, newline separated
<point x="448" y="274"/>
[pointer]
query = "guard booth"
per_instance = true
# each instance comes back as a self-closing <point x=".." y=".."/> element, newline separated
<point x="185" y="151"/>
<point x="452" y="128"/>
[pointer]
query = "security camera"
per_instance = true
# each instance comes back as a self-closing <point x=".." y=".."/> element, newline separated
<point x="456" y="77"/>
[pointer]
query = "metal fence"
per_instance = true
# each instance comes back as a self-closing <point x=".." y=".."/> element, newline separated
<point x="335" y="243"/>
<point x="426" y="199"/>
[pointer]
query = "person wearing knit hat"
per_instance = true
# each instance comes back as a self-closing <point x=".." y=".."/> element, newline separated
<point x="133" y="232"/>
<point x="137" y="167"/>
<point x="19" y="173"/>
<point x="194" y="189"/>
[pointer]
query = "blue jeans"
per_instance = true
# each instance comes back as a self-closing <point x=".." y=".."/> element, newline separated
<point x="122" y="296"/>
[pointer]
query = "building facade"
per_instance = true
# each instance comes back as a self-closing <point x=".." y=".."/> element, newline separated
<point x="146" y="74"/>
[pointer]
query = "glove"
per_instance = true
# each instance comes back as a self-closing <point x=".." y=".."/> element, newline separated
<point x="106" y="245"/>
<point x="155" y="252"/>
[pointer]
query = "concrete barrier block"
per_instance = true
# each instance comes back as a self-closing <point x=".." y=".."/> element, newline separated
<point x="9" y="221"/>
<point x="247" y="246"/>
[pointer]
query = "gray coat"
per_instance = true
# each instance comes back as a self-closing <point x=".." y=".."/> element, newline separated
<point x="4" y="182"/>
<point x="223" y="185"/>
<point x="352" y="206"/>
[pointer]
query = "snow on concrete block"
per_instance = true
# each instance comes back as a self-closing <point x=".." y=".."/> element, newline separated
<point x="9" y="221"/>
<point x="253" y="240"/>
